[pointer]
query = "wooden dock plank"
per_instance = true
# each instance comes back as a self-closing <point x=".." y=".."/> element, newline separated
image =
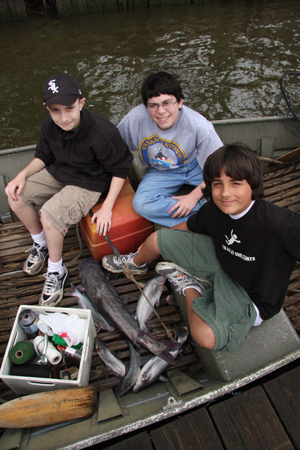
<point x="248" y="422"/>
<point x="191" y="431"/>
<point x="139" y="441"/>
<point x="284" y="394"/>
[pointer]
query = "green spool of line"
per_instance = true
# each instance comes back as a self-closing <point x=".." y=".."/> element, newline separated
<point x="22" y="352"/>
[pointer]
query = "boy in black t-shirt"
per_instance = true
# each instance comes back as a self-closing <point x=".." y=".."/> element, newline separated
<point x="233" y="258"/>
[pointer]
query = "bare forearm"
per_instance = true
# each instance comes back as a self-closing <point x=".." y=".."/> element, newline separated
<point x="35" y="166"/>
<point x="103" y="216"/>
<point x="197" y="192"/>
<point x="186" y="203"/>
<point x="15" y="186"/>
<point x="114" y="190"/>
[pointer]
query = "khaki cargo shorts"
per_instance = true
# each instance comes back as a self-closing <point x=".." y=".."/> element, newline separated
<point x="62" y="205"/>
<point x="226" y="307"/>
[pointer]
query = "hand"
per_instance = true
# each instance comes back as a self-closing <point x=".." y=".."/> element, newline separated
<point x="15" y="187"/>
<point x="186" y="203"/>
<point x="103" y="220"/>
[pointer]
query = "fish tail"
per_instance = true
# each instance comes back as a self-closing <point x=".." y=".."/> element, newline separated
<point x="119" y="391"/>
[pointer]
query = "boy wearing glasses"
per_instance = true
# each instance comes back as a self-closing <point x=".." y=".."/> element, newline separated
<point x="174" y="142"/>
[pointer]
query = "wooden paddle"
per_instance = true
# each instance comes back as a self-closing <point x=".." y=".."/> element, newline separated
<point x="290" y="155"/>
<point x="49" y="408"/>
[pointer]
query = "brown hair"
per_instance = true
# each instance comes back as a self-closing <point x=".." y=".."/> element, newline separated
<point x="160" y="83"/>
<point x="239" y="162"/>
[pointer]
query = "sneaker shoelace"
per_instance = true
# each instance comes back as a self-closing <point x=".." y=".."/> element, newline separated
<point x="127" y="259"/>
<point x="34" y="254"/>
<point x="179" y="281"/>
<point x="51" y="283"/>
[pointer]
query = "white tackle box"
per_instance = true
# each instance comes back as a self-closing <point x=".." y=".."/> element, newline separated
<point x="30" y="385"/>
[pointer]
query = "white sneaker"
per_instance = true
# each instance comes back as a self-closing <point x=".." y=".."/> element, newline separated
<point x="181" y="278"/>
<point x="53" y="289"/>
<point x="116" y="264"/>
<point x="36" y="260"/>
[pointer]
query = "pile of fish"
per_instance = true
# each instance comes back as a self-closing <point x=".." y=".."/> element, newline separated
<point x="109" y="312"/>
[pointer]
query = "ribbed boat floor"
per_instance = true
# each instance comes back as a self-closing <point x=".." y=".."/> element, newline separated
<point x="282" y="186"/>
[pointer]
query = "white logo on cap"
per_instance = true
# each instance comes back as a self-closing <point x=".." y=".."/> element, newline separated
<point x="52" y="86"/>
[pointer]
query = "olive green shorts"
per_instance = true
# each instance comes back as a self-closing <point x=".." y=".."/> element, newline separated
<point x="226" y="307"/>
<point x="62" y="205"/>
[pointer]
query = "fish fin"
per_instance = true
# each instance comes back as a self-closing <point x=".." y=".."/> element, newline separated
<point x="171" y="300"/>
<point x="169" y="347"/>
<point x="144" y="331"/>
<point x="131" y="310"/>
<point x="70" y="293"/>
<point x="172" y="346"/>
<point x="125" y="300"/>
<point x="80" y="287"/>
<point x="106" y="325"/>
<point x="164" y="378"/>
<point x="111" y="276"/>
<point x="166" y="356"/>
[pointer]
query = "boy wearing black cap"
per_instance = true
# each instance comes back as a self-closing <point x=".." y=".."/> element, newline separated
<point x="79" y="156"/>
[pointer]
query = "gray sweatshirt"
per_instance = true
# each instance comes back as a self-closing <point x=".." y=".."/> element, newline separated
<point x="191" y="137"/>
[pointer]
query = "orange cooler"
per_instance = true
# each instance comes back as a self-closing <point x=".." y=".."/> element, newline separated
<point x="128" y="229"/>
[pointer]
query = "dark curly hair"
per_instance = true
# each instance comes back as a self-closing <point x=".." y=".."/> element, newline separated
<point x="239" y="162"/>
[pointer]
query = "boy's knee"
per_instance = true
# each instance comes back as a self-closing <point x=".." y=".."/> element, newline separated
<point x="205" y="341"/>
<point x="204" y="338"/>
<point x="138" y="205"/>
<point x="15" y="204"/>
<point x="46" y="223"/>
<point x="153" y="239"/>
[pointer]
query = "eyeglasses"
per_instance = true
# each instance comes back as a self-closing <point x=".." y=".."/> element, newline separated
<point x="166" y="105"/>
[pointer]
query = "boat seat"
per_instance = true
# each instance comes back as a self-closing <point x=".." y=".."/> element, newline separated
<point x="266" y="348"/>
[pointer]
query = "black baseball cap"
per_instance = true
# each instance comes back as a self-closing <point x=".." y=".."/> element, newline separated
<point x="61" y="89"/>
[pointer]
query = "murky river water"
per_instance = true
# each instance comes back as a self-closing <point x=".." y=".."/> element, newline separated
<point x="228" y="56"/>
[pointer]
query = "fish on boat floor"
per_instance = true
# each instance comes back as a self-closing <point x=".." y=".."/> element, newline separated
<point x="282" y="187"/>
<point x="16" y="289"/>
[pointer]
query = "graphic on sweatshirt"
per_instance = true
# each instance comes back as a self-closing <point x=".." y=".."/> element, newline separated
<point x="160" y="153"/>
<point x="232" y="239"/>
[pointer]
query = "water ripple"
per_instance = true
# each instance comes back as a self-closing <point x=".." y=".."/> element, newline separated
<point x="228" y="67"/>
